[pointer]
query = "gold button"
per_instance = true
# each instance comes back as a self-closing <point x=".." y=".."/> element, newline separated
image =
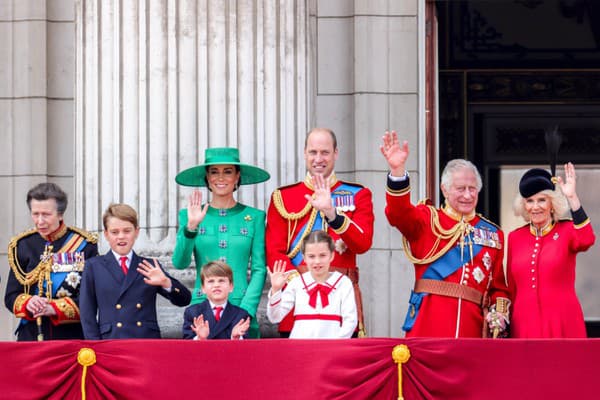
<point x="139" y="323"/>
<point x="138" y="305"/>
<point x="118" y="306"/>
<point x="119" y="324"/>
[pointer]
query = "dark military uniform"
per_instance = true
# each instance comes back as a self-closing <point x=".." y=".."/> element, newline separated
<point x="54" y="268"/>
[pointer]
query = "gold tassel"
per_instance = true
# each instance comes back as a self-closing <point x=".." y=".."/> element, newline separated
<point x="401" y="355"/>
<point x="86" y="357"/>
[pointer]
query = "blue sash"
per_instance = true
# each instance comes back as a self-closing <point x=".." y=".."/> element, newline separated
<point x="344" y="191"/>
<point x="59" y="277"/>
<point x="440" y="270"/>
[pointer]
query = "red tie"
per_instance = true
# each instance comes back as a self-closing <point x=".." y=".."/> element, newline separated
<point x="319" y="289"/>
<point x="218" y="310"/>
<point x="124" y="264"/>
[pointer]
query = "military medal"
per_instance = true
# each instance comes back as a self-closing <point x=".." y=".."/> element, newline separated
<point x="485" y="237"/>
<point x="478" y="274"/>
<point x="344" y="202"/>
<point x="67" y="262"/>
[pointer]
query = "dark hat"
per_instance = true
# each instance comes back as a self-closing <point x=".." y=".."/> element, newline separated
<point x="195" y="176"/>
<point x="534" y="181"/>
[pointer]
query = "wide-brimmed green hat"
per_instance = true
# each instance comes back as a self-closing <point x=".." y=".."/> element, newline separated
<point x="195" y="176"/>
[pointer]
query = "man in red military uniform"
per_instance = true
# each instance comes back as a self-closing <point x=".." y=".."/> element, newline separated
<point x="321" y="201"/>
<point x="457" y="254"/>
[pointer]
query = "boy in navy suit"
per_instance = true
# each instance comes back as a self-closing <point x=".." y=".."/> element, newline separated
<point x="119" y="289"/>
<point x="215" y="317"/>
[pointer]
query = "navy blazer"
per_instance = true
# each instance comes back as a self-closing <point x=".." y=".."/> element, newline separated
<point x="218" y="330"/>
<point x="118" y="306"/>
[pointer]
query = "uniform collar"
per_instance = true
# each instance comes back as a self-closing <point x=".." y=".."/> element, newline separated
<point x="332" y="180"/>
<point x="542" y="231"/>
<point x="455" y="215"/>
<point x="57" y="234"/>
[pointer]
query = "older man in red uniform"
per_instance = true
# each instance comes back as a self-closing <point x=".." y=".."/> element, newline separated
<point x="457" y="254"/>
<point x="321" y="201"/>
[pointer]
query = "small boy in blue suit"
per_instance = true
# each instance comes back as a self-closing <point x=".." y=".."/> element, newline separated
<point x="119" y="289"/>
<point x="215" y="317"/>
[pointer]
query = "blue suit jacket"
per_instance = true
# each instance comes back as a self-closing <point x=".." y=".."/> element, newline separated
<point x="218" y="330"/>
<point x="118" y="306"/>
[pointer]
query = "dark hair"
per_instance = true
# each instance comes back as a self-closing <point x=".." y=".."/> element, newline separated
<point x="318" y="237"/>
<point x="120" y="211"/>
<point x="333" y="138"/>
<point x="216" y="268"/>
<point x="46" y="191"/>
<point x="237" y="169"/>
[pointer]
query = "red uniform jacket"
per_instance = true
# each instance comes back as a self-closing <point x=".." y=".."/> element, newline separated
<point x="442" y="316"/>
<point x="541" y="274"/>
<point x="291" y="217"/>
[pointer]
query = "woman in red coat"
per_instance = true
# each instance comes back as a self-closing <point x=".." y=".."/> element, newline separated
<point x="542" y="254"/>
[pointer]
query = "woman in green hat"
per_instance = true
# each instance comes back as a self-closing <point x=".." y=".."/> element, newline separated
<point x="223" y="229"/>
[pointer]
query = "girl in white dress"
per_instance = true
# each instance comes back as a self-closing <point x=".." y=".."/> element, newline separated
<point x="323" y="301"/>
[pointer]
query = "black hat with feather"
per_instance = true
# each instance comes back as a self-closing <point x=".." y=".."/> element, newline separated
<point x="535" y="180"/>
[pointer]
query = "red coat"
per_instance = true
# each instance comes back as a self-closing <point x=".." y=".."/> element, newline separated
<point x="289" y="212"/>
<point x="541" y="272"/>
<point x="443" y="316"/>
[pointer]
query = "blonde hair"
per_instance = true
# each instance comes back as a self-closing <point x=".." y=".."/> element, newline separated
<point x="120" y="211"/>
<point x="560" y="206"/>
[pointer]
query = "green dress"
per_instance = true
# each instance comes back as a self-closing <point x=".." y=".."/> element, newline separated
<point x="235" y="236"/>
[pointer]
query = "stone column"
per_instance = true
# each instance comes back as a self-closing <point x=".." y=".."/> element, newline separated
<point x="36" y="114"/>
<point x="370" y="65"/>
<point x="159" y="81"/>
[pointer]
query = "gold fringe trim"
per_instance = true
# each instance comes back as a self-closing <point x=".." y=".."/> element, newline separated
<point x="90" y="237"/>
<point x="278" y="202"/>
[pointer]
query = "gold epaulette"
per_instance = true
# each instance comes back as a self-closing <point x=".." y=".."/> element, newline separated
<point x="12" y="252"/>
<point x="352" y="184"/>
<point x="290" y="185"/>
<point x="21" y="235"/>
<point x="90" y="237"/>
<point x="489" y="222"/>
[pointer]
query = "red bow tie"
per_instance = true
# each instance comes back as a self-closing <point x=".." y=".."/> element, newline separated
<point x="324" y="291"/>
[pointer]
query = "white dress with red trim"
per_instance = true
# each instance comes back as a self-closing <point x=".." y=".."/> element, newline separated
<point x="321" y="310"/>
